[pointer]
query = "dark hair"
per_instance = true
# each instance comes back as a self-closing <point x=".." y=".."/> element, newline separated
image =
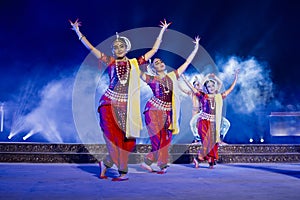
<point x="195" y="82"/>
<point x="119" y="40"/>
<point x="206" y="82"/>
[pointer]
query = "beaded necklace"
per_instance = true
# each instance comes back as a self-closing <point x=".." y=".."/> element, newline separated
<point x="125" y="75"/>
<point x="166" y="87"/>
<point x="211" y="100"/>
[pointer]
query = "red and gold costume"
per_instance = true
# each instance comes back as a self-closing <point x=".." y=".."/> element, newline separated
<point x="119" y="120"/>
<point x="160" y="117"/>
<point x="209" y="124"/>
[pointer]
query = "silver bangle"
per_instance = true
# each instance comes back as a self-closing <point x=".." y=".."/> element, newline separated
<point x="81" y="37"/>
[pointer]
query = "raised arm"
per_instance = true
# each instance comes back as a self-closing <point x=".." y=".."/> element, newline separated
<point x="194" y="90"/>
<point x="187" y="92"/>
<point x="82" y="38"/>
<point x="164" y="25"/>
<point x="183" y="67"/>
<point x="232" y="85"/>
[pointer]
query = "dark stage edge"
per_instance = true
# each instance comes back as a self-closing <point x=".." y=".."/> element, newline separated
<point x="179" y="153"/>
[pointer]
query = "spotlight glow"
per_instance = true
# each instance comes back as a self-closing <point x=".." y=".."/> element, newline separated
<point x="250" y="140"/>
<point x="25" y="137"/>
<point x="32" y="132"/>
<point x="262" y="140"/>
<point x="11" y="134"/>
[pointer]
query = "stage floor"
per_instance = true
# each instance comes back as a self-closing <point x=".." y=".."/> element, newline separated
<point x="182" y="181"/>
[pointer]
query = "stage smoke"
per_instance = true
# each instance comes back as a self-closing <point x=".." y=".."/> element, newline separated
<point x="52" y="118"/>
<point x="254" y="88"/>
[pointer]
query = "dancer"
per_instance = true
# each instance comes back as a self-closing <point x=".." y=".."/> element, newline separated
<point x="209" y="121"/>
<point x="120" y="121"/>
<point x="196" y="107"/>
<point x="161" y="116"/>
<point x="225" y="124"/>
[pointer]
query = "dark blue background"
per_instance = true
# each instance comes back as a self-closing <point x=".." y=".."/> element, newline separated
<point x="36" y="41"/>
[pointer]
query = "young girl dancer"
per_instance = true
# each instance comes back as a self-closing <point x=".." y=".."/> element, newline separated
<point x="209" y="120"/>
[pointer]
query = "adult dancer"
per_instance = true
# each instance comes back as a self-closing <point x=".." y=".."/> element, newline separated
<point x="120" y="121"/>
<point x="161" y="116"/>
<point x="209" y="121"/>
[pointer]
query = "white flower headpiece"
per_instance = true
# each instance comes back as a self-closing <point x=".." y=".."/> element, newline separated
<point x="150" y="69"/>
<point x="124" y="39"/>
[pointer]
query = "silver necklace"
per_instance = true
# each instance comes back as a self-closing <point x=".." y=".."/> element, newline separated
<point x="212" y="103"/>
